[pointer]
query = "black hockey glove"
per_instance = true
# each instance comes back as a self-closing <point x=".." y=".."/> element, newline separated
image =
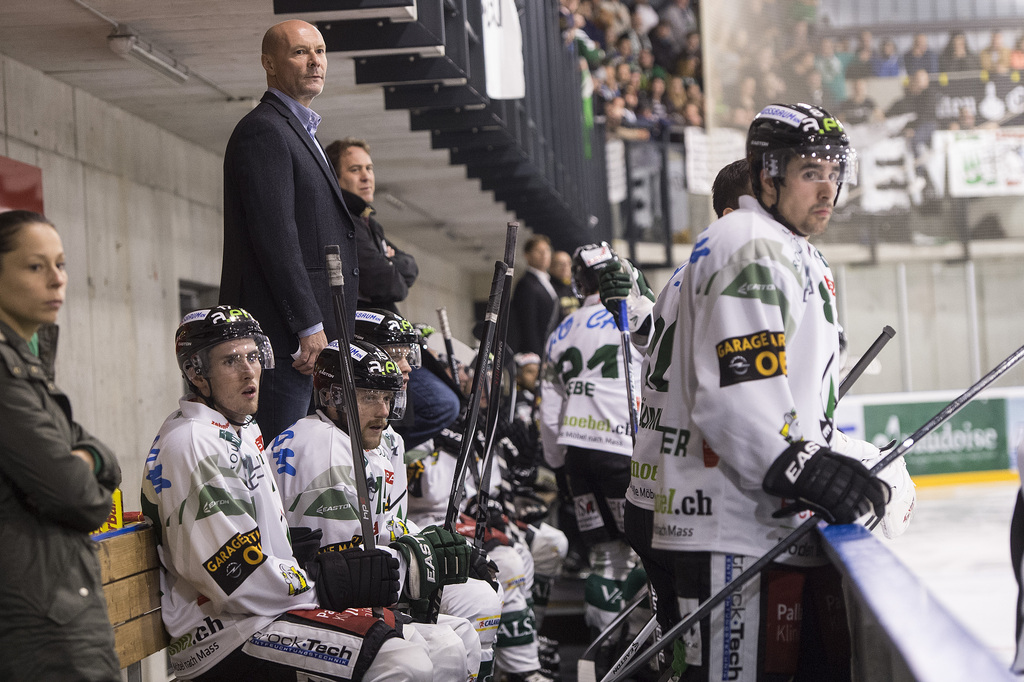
<point x="482" y="568"/>
<point x="355" y="578"/>
<point x="305" y="543"/>
<point x="838" y="488"/>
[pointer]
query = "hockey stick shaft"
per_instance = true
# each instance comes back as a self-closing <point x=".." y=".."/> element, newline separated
<point x="494" y="396"/>
<point x="803" y="529"/>
<point x="446" y="334"/>
<point x="336" y="277"/>
<point x="490" y="318"/>
<point x="627" y="360"/>
<point x="869" y="355"/>
<point x="465" y="452"/>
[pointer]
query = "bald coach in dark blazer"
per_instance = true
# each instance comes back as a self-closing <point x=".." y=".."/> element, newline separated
<point x="282" y="205"/>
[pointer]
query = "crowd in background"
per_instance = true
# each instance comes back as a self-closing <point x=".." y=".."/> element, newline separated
<point x="643" y="66"/>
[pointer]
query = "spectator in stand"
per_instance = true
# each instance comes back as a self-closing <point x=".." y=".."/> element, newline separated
<point x="658" y="100"/>
<point x="956" y="57"/>
<point x="692" y="115"/>
<point x="862" y="65"/>
<point x="589" y="23"/>
<point x="649" y="70"/>
<point x="662" y="45"/>
<point x="647" y="15"/>
<point x="681" y="19"/>
<point x="919" y="99"/>
<point x="617" y="127"/>
<point x="616" y="16"/>
<point x="638" y="37"/>
<point x="888" y="63"/>
<point x="623" y="52"/>
<point x="1017" y="56"/>
<point x="795" y="43"/>
<point x="623" y="75"/>
<point x="675" y="98"/>
<point x="920" y="56"/>
<point x="832" y="71"/>
<point x="646" y="118"/>
<point x="744" y="105"/>
<point x="996" y="57"/>
<point x="860" y="108"/>
<point x="689" y="68"/>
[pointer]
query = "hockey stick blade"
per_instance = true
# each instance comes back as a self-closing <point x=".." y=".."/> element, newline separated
<point x="803" y="529"/>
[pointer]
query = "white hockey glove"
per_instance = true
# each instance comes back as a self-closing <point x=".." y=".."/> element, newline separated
<point x="902" y="494"/>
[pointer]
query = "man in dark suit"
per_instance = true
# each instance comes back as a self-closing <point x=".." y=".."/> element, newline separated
<point x="534" y="309"/>
<point x="282" y="205"/>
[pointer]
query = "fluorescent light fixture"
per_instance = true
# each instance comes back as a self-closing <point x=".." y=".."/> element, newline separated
<point x="127" y="44"/>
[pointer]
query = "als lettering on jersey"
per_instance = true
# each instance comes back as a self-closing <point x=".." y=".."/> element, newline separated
<point x="236" y="560"/>
<point x="214" y="500"/>
<point x="760" y="355"/>
<point x="331" y="504"/>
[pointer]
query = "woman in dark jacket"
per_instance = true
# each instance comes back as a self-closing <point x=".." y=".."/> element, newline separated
<point x="55" y="479"/>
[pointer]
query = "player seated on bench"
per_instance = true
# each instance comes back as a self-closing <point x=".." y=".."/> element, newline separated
<point x="237" y="604"/>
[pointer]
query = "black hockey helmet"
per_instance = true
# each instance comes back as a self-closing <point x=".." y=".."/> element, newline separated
<point x="587" y="262"/>
<point x="391" y="332"/>
<point x="201" y="330"/>
<point x="372" y="370"/>
<point x="782" y="131"/>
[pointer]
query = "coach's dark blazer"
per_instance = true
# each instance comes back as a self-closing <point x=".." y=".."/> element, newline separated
<point x="282" y="206"/>
<point x="533" y="315"/>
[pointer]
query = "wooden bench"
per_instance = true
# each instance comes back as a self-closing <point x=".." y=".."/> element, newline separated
<point x="131" y="582"/>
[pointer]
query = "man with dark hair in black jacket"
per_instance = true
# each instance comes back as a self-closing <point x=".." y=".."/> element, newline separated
<point x="386" y="273"/>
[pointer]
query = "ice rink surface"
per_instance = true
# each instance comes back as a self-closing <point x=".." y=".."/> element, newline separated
<point x="959" y="545"/>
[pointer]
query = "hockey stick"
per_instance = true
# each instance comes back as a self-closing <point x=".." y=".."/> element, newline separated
<point x="847" y="382"/>
<point x="494" y="397"/>
<point x="336" y="277"/>
<point x="446" y="334"/>
<point x="865" y="360"/>
<point x="627" y="361"/>
<point x="455" y="497"/>
<point x="803" y="529"/>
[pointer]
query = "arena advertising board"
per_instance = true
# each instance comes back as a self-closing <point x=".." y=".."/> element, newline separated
<point x="984" y="436"/>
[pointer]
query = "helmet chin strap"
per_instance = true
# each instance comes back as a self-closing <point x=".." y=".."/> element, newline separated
<point x="774" y="209"/>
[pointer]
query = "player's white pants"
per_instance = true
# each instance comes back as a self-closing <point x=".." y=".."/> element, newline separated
<point x="478" y="603"/>
<point x="452" y="645"/>
<point x="610" y="564"/>
<point x="516" y="649"/>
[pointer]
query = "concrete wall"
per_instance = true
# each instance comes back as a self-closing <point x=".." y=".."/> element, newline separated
<point x="139" y="210"/>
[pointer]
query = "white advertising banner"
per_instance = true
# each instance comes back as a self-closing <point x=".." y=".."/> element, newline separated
<point x="985" y="163"/>
<point x="503" y="50"/>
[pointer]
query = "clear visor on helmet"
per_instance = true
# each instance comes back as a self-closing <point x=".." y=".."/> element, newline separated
<point x="234" y="355"/>
<point x="368" y="399"/>
<point x="410" y="352"/>
<point x="829" y="163"/>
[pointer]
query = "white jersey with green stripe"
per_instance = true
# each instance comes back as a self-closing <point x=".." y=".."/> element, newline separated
<point x="719" y="402"/>
<point x="223" y="542"/>
<point x="312" y="462"/>
<point x="583" y="391"/>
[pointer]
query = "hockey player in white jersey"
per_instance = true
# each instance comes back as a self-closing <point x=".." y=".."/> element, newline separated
<point x="739" y="385"/>
<point x="584" y="423"/>
<point x="312" y="461"/>
<point x="236" y="602"/>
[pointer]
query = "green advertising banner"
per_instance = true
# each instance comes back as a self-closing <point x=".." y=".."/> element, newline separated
<point x="974" y="439"/>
